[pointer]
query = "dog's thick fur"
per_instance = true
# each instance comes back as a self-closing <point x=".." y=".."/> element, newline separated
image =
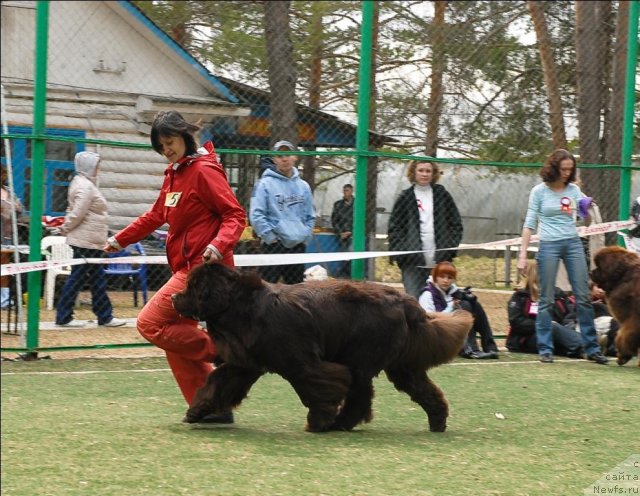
<point x="617" y="272"/>
<point x="328" y="339"/>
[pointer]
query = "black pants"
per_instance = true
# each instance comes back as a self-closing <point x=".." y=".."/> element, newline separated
<point x="480" y="325"/>
<point x="345" y="265"/>
<point x="290" y="274"/>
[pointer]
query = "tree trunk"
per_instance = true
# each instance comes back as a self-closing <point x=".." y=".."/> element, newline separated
<point x="591" y="46"/>
<point x="315" y="80"/>
<point x="613" y="106"/>
<point x="615" y="118"/>
<point x="282" y="72"/>
<point x="438" y="62"/>
<point x="550" y="74"/>
<point x="589" y="61"/>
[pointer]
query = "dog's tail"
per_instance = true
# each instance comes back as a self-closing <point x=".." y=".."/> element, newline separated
<point x="437" y="337"/>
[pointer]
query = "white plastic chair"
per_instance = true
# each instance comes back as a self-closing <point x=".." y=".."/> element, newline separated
<point x="55" y="248"/>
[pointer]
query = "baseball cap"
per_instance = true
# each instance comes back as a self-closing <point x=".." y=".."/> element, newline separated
<point x="284" y="144"/>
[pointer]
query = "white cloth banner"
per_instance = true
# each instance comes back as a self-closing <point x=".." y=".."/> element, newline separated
<point x="259" y="260"/>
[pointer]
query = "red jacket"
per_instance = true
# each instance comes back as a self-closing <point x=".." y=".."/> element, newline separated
<point x="200" y="208"/>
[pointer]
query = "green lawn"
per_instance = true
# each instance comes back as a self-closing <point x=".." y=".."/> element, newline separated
<point x="112" y="427"/>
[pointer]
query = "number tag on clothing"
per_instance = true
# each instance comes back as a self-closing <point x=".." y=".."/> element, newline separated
<point x="533" y="309"/>
<point x="172" y="199"/>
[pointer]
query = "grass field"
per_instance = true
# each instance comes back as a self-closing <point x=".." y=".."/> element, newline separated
<point x="517" y="427"/>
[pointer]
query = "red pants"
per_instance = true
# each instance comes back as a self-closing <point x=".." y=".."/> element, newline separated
<point x="189" y="349"/>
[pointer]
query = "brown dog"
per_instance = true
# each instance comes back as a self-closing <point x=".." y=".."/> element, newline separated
<point x="617" y="272"/>
<point x="328" y="339"/>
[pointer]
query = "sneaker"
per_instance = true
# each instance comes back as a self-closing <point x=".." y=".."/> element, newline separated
<point x="484" y="355"/>
<point x="469" y="354"/>
<point x="215" y="418"/>
<point x="73" y="323"/>
<point x="114" y="323"/>
<point x="546" y="358"/>
<point x="599" y="358"/>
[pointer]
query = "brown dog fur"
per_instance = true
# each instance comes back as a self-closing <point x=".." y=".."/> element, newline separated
<point x="328" y="339"/>
<point x="617" y="272"/>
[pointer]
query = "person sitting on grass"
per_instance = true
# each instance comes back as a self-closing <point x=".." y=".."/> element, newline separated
<point x="442" y="295"/>
<point x="523" y="309"/>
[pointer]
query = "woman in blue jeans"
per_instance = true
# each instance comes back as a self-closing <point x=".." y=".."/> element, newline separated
<point x="523" y="311"/>
<point x="553" y="208"/>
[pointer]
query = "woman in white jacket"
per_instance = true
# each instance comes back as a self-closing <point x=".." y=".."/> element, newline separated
<point x="85" y="226"/>
<point x="442" y="295"/>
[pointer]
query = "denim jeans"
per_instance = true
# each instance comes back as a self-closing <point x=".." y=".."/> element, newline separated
<point x="566" y="342"/>
<point x="93" y="273"/>
<point x="571" y="252"/>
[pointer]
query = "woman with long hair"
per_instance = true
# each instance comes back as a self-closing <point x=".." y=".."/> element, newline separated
<point x="553" y="209"/>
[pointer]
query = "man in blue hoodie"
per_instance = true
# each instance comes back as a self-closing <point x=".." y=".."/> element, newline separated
<point x="282" y="214"/>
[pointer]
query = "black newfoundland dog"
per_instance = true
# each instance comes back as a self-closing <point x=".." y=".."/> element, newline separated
<point x="328" y="339"/>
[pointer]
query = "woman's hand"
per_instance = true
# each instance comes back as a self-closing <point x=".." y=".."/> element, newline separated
<point x="110" y="249"/>
<point x="211" y="254"/>
<point x="112" y="245"/>
<point x="522" y="263"/>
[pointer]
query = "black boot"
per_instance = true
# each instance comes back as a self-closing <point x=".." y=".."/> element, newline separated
<point x="215" y="418"/>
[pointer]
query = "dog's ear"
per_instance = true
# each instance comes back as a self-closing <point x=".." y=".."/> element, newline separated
<point x="250" y="280"/>
<point x="611" y="265"/>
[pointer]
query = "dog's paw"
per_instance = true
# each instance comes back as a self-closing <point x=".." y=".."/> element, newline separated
<point x="315" y="428"/>
<point x="340" y="426"/>
<point x="624" y="359"/>
<point x="437" y="424"/>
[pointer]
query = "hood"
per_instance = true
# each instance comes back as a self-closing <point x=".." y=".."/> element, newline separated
<point x="86" y="164"/>
<point x="274" y="173"/>
<point x="267" y="163"/>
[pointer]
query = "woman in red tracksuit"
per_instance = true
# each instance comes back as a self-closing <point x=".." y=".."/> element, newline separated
<point x="205" y="222"/>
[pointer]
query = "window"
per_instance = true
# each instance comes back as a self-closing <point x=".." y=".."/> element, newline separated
<point x="58" y="167"/>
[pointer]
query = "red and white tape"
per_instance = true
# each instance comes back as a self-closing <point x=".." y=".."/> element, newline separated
<point x="259" y="260"/>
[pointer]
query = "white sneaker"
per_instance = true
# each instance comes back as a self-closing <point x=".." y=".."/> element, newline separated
<point x="115" y="323"/>
<point x="73" y="323"/>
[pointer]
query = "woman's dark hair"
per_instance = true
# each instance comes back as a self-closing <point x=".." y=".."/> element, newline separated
<point x="550" y="171"/>
<point x="171" y="123"/>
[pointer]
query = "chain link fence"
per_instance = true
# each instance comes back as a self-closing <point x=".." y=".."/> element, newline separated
<point x="483" y="89"/>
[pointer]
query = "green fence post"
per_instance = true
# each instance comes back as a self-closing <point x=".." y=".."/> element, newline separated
<point x="362" y="137"/>
<point x="629" y="104"/>
<point x="37" y="173"/>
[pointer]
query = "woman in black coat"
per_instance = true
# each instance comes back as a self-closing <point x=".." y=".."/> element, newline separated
<point x="424" y="218"/>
